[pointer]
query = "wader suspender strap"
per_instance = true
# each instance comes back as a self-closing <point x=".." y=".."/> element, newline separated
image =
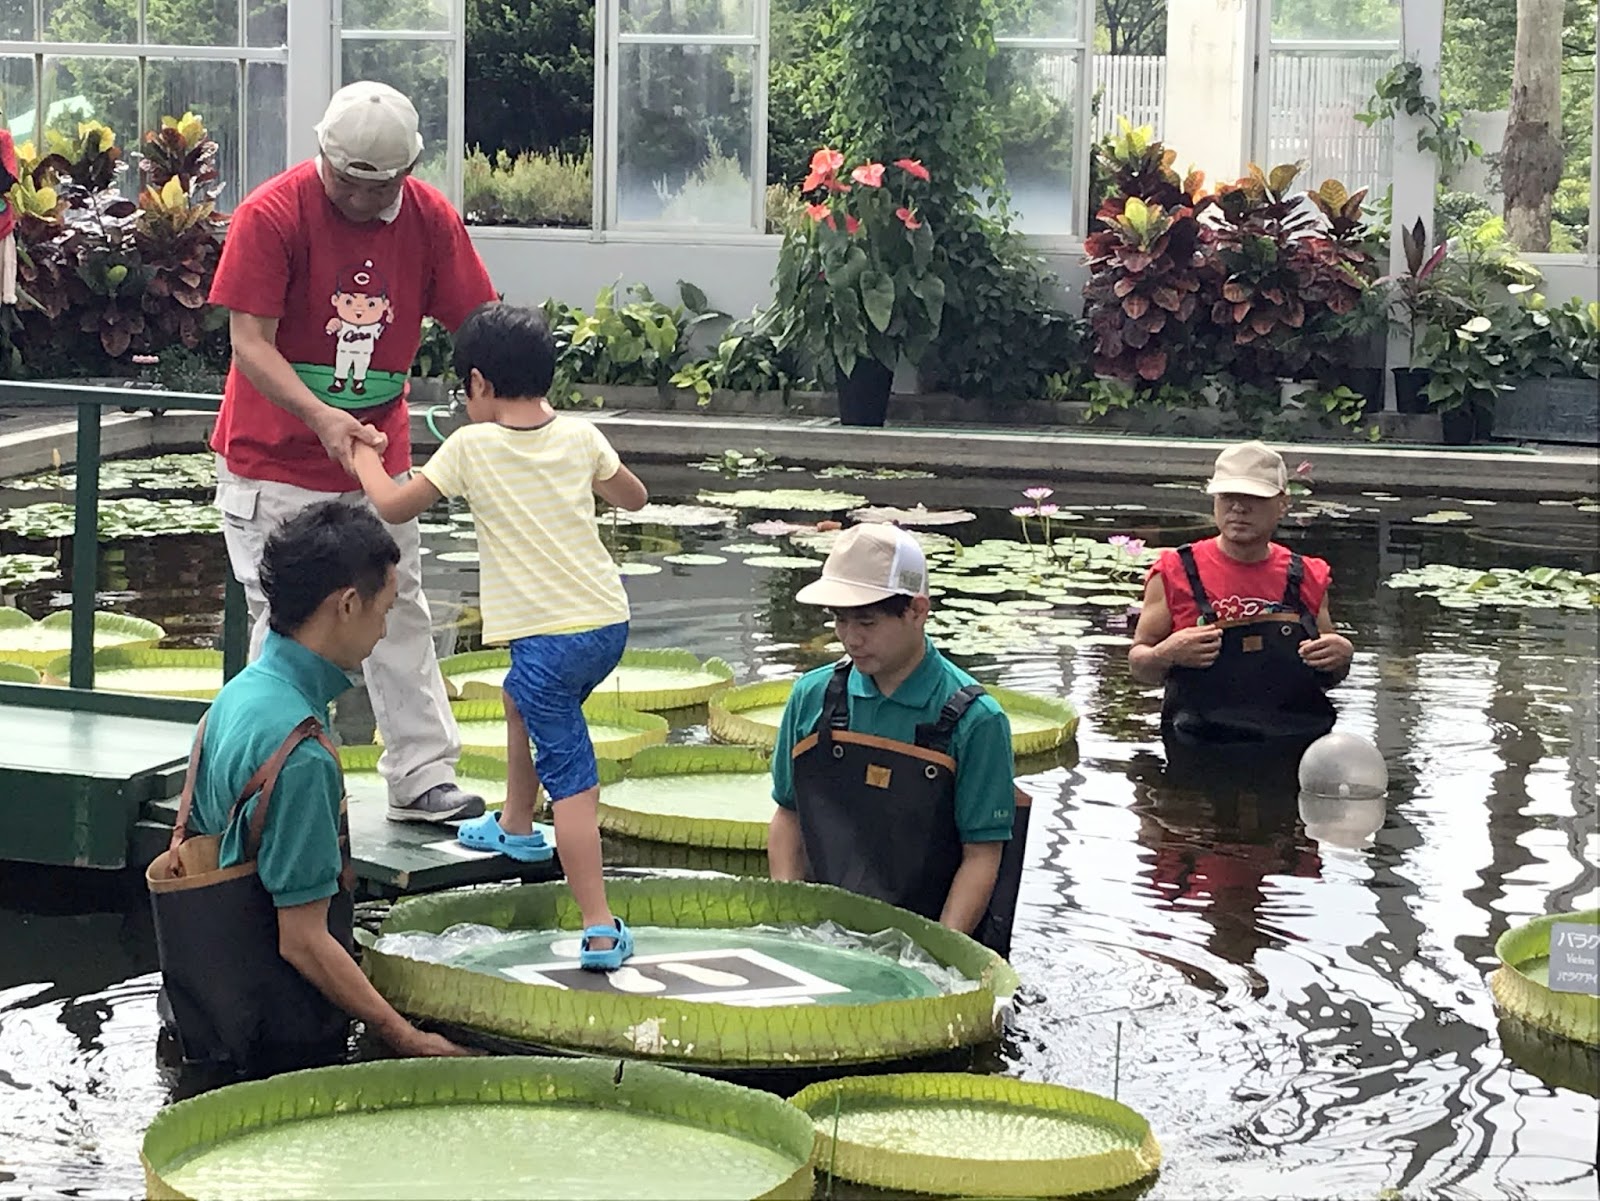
<point x="936" y="735"/>
<point x="1192" y="570"/>
<point x="263" y="781"/>
<point x="1294" y="600"/>
<point x="835" y="704"/>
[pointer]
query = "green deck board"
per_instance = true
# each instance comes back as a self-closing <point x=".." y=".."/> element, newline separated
<point x="97" y="745"/>
<point x="395" y="857"/>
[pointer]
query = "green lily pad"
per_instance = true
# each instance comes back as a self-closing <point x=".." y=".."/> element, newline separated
<point x="638" y="568"/>
<point x="476" y="772"/>
<point x="23" y="640"/>
<point x="16" y="570"/>
<point x="785" y="500"/>
<point x="460" y="556"/>
<point x="707" y="796"/>
<point x="873" y="473"/>
<point x="152" y="671"/>
<point x="1501" y="587"/>
<point x="1442" y="517"/>
<point x="616" y="733"/>
<point x="646" y="679"/>
<point x="918" y="516"/>
<point x="134" y="517"/>
<point x="189" y="472"/>
<point x="695" y="560"/>
<point x="676" y="516"/>
<point x="821" y="542"/>
<point x="18" y="673"/>
<point x="752" y="548"/>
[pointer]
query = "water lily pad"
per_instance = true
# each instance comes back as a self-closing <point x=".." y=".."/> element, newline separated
<point x="150" y="671"/>
<point x="460" y="556"/>
<point x="695" y="560"/>
<point x="872" y="473"/>
<point x="921" y="515"/>
<point x="708" y="796"/>
<point x="1442" y="517"/>
<point x="751" y="548"/>
<point x="434" y="527"/>
<point x="36" y="643"/>
<point x="1026" y="605"/>
<point x="16" y="570"/>
<point x="676" y="516"/>
<point x="133" y="517"/>
<point x="1501" y="587"/>
<point x="934" y="546"/>
<point x="782" y="561"/>
<point x="477" y="772"/>
<point x="187" y="472"/>
<point x="638" y="569"/>
<point x="785" y="500"/>
<point x="647" y="679"/>
<point x="616" y="732"/>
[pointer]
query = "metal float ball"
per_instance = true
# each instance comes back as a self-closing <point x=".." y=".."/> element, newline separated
<point x="1344" y="766"/>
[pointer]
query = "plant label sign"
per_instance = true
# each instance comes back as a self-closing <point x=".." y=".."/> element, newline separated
<point x="1575" y="958"/>
<point x="734" y="976"/>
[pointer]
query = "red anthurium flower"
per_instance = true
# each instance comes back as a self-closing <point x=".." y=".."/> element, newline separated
<point x="834" y="186"/>
<point x="912" y="167"/>
<point x="869" y="174"/>
<point x="826" y="162"/>
<point x="908" y="218"/>
<point x="851" y="224"/>
<point x="818" y="211"/>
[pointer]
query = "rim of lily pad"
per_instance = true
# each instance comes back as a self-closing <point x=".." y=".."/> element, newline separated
<point x="131" y="632"/>
<point x="886" y="1167"/>
<point x="728" y="722"/>
<point x="1571" y="1015"/>
<point x="657" y="761"/>
<point x="179" y="1130"/>
<point x="112" y="658"/>
<point x="363" y="757"/>
<point x="681" y="1031"/>
<point x="18" y="673"/>
<point x="645" y="729"/>
<point x="647" y="699"/>
<point x="784" y="500"/>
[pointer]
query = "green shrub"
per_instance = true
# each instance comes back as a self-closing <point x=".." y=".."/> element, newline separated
<point x="717" y="192"/>
<point x="786" y="208"/>
<point x="530" y="189"/>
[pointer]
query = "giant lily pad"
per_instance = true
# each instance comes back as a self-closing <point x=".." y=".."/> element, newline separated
<point x="1521" y="984"/>
<point x="646" y="679"/>
<point x="616" y="732"/>
<point x="821" y="541"/>
<point x="809" y="1004"/>
<point x="1502" y="587"/>
<point x="920" y="515"/>
<point x="750" y="715"/>
<point x="18" y="673"/>
<point x="36" y="643"/>
<point x="706" y="796"/>
<point x="386" y="1129"/>
<point x="785" y="500"/>
<point x="962" y="1135"/>
<point x="154" y="671"/>
<point x="676" y="516"/>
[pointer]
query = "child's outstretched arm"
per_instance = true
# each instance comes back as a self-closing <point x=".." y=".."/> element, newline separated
<point x="395" y="503"/>
<point x="623" y="490"/>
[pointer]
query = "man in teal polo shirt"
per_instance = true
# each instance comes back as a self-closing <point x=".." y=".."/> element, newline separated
<point x="257" y="965"/>
<point x="893" y="770"/>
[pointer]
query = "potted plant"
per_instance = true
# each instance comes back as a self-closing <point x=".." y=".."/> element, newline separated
<point x="860" y="285"/>
<point x="1410" y="295"/>
<point x="1555" y="362"/>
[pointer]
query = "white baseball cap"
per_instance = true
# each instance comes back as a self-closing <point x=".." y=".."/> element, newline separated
<point x="1249" y="469"/>
<point x="870" y="562"/>
<point x="369" y="131"/>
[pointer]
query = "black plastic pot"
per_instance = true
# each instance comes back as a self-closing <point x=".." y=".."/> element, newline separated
<point x="1408" y="385"/>
<point x="1369" y="382"/>
<point x="864" y="394"/>
<point x="1459" y="424"/>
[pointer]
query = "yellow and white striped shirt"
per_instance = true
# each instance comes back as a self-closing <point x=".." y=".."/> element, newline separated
<point x="544" y="569"/>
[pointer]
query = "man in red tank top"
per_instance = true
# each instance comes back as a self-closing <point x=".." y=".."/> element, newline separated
<point x="327" y="273"/>
<point x="1237" y="627"/>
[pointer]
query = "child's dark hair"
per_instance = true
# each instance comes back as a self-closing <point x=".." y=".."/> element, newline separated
<point x="890" y="606"/>
<point x="323" y="549"/>
<point x="510" y="346"/>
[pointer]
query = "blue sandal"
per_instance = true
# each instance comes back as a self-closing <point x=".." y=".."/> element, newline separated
<point x="484" y="834"/>
<point x="613" y="957"/>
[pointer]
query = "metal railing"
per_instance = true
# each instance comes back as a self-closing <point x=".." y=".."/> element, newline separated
<point x="90" y="402"/>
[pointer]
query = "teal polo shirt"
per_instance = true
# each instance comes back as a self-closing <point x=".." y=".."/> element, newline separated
<point x="299" y="860"/>
<point x="981" y="746"/>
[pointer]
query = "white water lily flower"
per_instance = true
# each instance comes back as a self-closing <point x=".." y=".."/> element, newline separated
<point x="1519" y="289"/>
<point x="1478" y="325"/>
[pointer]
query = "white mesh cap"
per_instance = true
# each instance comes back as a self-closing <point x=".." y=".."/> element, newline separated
<point x="369" y="131"/>
<point x="870" y="562"/>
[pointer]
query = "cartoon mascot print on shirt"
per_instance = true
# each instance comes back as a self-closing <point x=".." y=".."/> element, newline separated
<point x="362" y="312"/>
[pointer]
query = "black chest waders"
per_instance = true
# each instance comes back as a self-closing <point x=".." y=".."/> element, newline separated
<point x="235" y="1002"/>
<point x="1259" y="692"/>
<point x="878" y="816"/>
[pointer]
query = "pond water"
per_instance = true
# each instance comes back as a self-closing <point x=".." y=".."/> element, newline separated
<point x="1299" y="1011"/>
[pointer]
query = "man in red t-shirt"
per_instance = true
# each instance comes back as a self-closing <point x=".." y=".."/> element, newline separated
<point x="327" y="273"/>
<point x="1237" y="627"/>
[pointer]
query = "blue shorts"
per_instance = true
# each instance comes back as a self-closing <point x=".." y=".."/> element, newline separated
<point x="551" y="676"/>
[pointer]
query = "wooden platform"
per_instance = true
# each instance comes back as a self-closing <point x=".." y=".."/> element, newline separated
<point x="390" y="858"/>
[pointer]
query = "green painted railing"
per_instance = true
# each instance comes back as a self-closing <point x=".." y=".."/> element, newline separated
<point x="90" y="402"/>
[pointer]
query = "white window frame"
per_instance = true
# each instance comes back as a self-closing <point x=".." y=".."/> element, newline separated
<point x="454" y="35"/>
<point x="1080" y="46"/>
<point x="609" y="40"/>
<point x="240" y="54"/>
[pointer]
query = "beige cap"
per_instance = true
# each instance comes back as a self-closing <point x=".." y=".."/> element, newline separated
<point x="1249" y="469"/>
<point x="369" y="131"/>
<point x="870" y="562"/>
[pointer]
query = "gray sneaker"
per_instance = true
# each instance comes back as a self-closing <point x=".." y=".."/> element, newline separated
<point x="441" y="803"/>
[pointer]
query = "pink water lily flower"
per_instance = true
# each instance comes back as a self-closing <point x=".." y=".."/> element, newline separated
<point x="1047" y="510"/>
<point x="1038" y="493"/>
<point x="1023" y="510"/>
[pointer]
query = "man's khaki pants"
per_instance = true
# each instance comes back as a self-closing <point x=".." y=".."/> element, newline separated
<point x="420" y="741"/>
